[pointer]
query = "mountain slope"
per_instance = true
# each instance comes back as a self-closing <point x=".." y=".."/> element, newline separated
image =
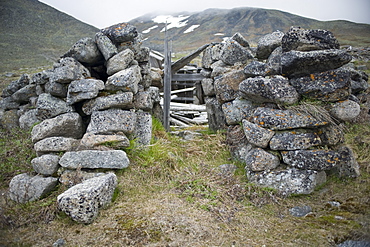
<point x="34" y="34"/>
<point x="214" y="24"/>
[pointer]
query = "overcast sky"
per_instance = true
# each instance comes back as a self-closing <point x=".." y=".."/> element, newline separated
<point x="104" y="13"/>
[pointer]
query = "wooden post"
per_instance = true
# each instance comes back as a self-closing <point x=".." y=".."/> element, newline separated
<point x="167" y="82"/>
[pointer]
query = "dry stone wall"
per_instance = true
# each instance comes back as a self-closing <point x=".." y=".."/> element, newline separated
<point x="284" y="105"/>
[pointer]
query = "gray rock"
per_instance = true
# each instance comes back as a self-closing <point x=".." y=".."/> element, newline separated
<point x="257" y="135"/>
<point x="143" y="101"/>
<point x="215" y="115"/>
<point x="237" y="110"/>
<point x="143" y="55"/>
<point x="121" y="32"/>
<point x="105" y="45"/>
<point x="59" y="243"/>
<point x="274" y="90"/>
<point x="55" y="144"/>
<point x="317" y="160"/>
<point x="260" y="160"/>
<point x="86" y="52"/>
<point x="227" y="169"/>
<point x="91" y="141"/>
<point x="331" y="135"/>
<point x="232" y="52"/>
<point x="268" y="43"/>
<point x="347" y="165"/>
<point x="70" y="178"/>
<point x="49" y="106"/>
<point x="329" y="86"/>
<point x="300" y="211"/>
<point x="80" y="90"/>
<point x="143" y="130"/>
<point x="154" y="93"/>
<point x="308" y="40"/>
<point x="8" y="103"/>
<point x="208" y="87"/>
<point x="65" y="125"/>
<point x="294" y="141"/>
<point x="227" y="86"/>
<point x="28" y="119"/>
<point x="47" y="164"/>
<point x="237" y="142"/>
<point x="24" y="188"/>
<point x="112" y="121"/>
<point x="14" y="86"/>
<point x="354" y="243"/>
<point x="83" y="201"/>
<point x="119" y="100"/>
<point x="291" y="181"/>
<point x="255" y="68"/>
<point x="94" y="159"/>
<point x="120" y="61"/>
<point x="68" y="69"/>
<point x="219" y="68"/>
<point x="240" y="39"/>
<point x="56" y="89"/>
<point x="10" y="120"/>
<point x="126" y="80"/>
<point x="284" y="119"/>
<point x="359" y="80"/>
<point x="24" y="94"/>
<point x="40" y="78"/>
<point x="207" y="57"/>
<point x="298" y="63"/>
<point x="273" y="63"/>
<point x="345" y="110"/>
<point x="156" y="76"/>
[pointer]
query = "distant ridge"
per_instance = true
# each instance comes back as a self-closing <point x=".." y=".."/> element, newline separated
<point x="212" y="25"/>
<point x="33" y="34"/>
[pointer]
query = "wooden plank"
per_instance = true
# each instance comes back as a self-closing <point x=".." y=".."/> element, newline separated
<point x="167" y="83"/>
<point x="187" y="77"/>
<point x="187" y="59"/>
<point x="181" y="90"/>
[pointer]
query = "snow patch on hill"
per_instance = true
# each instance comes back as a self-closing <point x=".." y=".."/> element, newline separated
<point x="191" y="29"/>
<point x="149" y="29"/>
<point x="172" y="21"/>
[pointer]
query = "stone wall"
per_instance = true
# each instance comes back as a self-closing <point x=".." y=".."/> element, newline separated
<point x="284" y="105"/>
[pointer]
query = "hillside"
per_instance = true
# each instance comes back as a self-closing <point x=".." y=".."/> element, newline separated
<point x="34" y="34"/>
<point x="191" y="30"/>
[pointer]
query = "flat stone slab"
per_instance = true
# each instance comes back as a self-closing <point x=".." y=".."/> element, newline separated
<point x="257" y="135"/>
<point x="317" y="160"/>
<point x="47" y="164"/>
<point x="294" y="141"/>
<point x="260" y="160"/>
<point x="94" y="159"/>
<point x="120" y="100"/>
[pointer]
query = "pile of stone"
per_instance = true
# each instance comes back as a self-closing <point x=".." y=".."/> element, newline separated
<point x="284" y="105"/>
<point x="97" y="98"/>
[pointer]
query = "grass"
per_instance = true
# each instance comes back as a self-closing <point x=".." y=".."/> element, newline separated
<point x="174" y="194"/>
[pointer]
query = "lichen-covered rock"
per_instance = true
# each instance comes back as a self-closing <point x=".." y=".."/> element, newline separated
<point x="49" y="106"/>
<point x="240" y="39"/>
<point x="65" y="125"/>
<point x="126" y="80"/>
<point x="211" y="54"/>
<point x="95" y="159"/>
<point x="68" y="69"/>
<point x="215" y="115"/>
<point x="86" y="51"/>
<point x="284" y="119"/>
<point x="24" y="94"/>
<point x="291" y="181"/>
<point x="91" y="141"/>
<point x="120" y="61"/>
<point x="268" y="43"/>
<point x="331" y="135"/>
<point x="143" y="130"/>
<point x="345" y="110"/>
<point x="80" y="90"/>
<point x="119" y="100"/>
<point x="274" y="90"/>
<point x="347" y="165"/>
<point x="14" y="86"/>
<point x="227" y="86"/>
<point x="294" y="140"/>
<point x="55" y="144"/>
<point x="308" y="40"/>
<point x="121" y="32"/>
<point x="232" y="52"/>
<point x="299" y="63"/>
<point x="47" y="164"/>
<point x="255" y="68"/>
<point x="9" y="103"/>
<point x="273" y="64"/>
<point x="332" y="86"/>
<point x="208" y="87"/>
<point x="317" y="159"/>
<point x="105" y="45"/>
<point x="83" y="201"/>
<point x="237" y="110"/>
<point x="25" y="188"/>
<point x="257" y="135"/>
<point x="237" y="142"/>
<point x="112" y="121"/>
<point x="143" y="101"/>
<point x="28" y="119"/>
<point x="56" y="89"/>
<point x="260" y="160"/>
